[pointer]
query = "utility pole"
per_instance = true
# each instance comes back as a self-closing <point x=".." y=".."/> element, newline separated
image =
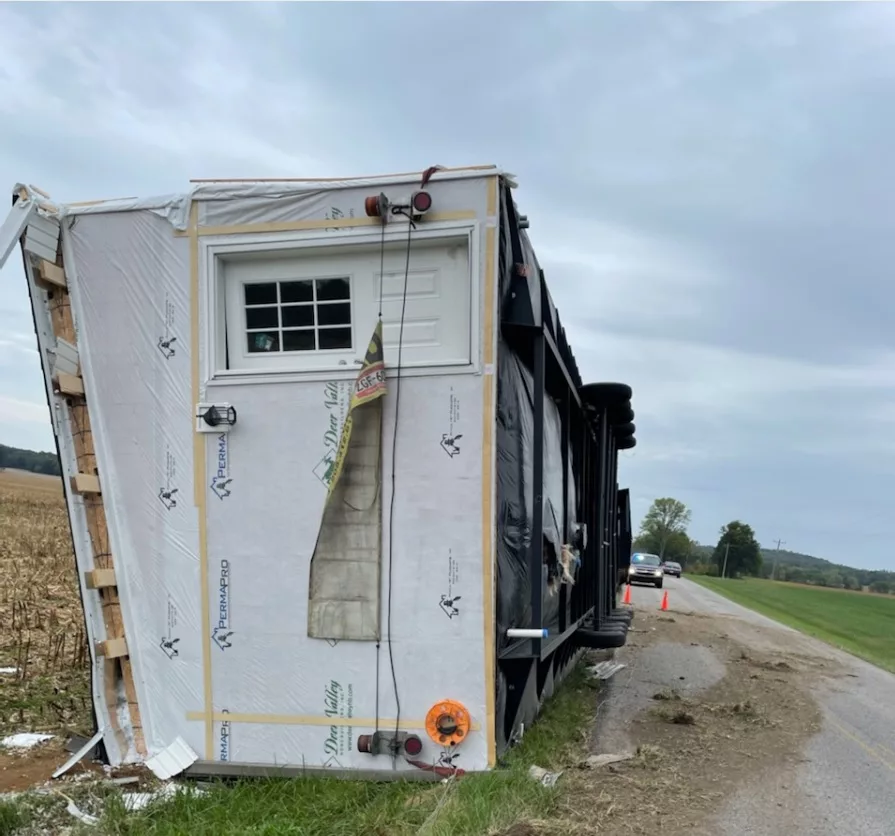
<point x="724" y="568"/>
<point x="774" y="570"/>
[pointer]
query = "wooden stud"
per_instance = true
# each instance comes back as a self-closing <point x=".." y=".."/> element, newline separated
<point x="100" y="578"/>
<point x="130" y="690"/>
<point x="85" y="483"/>
<point x="112" y="648"/>
<point x="69" y="384"/>
<point x="51" y="276"/>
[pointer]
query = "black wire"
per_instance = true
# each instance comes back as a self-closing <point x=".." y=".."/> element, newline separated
<point x="381" y="265"/>
<point x="379" y="475"/>
<point x="391" y="513"/>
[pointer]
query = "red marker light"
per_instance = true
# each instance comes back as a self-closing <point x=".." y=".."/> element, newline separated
<point x="413" y="745"/>
<point x="421" y="202"/>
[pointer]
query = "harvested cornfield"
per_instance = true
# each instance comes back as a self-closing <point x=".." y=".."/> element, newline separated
<point x="45" y="682"/>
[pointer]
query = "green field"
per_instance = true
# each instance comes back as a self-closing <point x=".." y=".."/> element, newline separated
<point x="860" y="623"/>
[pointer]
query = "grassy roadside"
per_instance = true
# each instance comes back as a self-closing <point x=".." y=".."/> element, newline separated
<point x="861" y="624"/>
<point x="474" y="805"/>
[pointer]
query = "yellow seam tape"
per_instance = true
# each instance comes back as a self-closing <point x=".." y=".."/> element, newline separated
<point x="310" y="720"/>
<point x="298" y="226"/>
<point x="199" y="483"/>
<point x="488" y="383"/>
<point x="492" y="197"/>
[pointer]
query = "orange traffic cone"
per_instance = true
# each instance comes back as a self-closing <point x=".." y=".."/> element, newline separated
<point x="664" y="601"/>
<point x="627" y="598"/>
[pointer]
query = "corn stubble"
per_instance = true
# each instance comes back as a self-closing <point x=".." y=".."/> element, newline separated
<point x="43" y="635"/>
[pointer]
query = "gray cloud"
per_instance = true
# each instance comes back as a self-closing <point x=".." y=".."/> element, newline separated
<point x="708" y="186"/>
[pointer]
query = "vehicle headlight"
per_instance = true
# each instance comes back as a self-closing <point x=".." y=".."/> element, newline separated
<point x="630" y="570"/>
<point x="657" y="572"/>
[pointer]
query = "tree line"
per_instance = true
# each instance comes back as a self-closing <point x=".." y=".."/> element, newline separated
<point x="737" y="553"/>
<point x="29" y="460"/>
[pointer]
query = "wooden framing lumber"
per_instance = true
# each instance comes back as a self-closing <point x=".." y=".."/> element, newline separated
<point x="112" y="648"/>
<point x="113" y="652"/>
<point x="69" y="384"/>
<point x="100" y="578"/>
<point x="50" y="276"/>
<point x="85" y="483"/>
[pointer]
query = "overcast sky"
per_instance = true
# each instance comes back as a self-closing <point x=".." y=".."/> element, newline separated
<point x="710" y="189"/>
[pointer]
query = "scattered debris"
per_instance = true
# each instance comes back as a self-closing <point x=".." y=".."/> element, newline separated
<point x="24" y="740"/>
<point x="596" y="761"/>
<point x="543" y="777"/>
<point x="648" y="754"/>
<point x="605" y="670"/>
<point x="134" y="801"/>
<point x="678" y="718"/>
<point x="77" y="812"/>
<point x="128" y="779"/>
<point x="9" y="670"/>
<point x="668" y="694"/>
<point x="79" y="754"/>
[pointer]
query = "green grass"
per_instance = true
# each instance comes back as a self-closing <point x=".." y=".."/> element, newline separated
<point x="11" y="818"/>
<point x="474" y="805"/>
<point x="854" y="621"/>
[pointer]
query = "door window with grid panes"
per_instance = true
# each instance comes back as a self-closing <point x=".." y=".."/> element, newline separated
<point x="301" y="315"/>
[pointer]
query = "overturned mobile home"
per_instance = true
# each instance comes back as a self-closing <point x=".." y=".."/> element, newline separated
<point x="339" y="496"/>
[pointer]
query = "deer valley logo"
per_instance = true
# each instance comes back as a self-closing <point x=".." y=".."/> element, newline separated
<point x="166" y="341"/>
<point x="170" y="640"/>
<point x="168" y="493"/>
<point x="451" y="437"/>
<point x="224" y="739"/>
<point x="336" y="395"/>
<point x="220" y="481"/>
<point x="335" y="214"/>
<point x="222" y="633"/>
<point x="338" y="701"/>
<point x="449" y="444"/>
<point x="448" y="602"/>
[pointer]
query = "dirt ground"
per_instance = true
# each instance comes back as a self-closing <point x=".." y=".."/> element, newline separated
<point x="704" y="714"/>
<point x="23" y="769"/>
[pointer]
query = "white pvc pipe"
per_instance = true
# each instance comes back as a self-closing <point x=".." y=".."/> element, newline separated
<point x="514" y="633"/>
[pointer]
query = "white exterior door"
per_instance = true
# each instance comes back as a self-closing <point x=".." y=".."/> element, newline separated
<point x="317" y="311"/>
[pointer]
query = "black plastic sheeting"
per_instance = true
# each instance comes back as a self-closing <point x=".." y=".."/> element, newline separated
<point x="515" y="500"/>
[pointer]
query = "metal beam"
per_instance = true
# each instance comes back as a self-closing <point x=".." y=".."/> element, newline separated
<point x="562" y="367"/>
<point x="536" y="549"/>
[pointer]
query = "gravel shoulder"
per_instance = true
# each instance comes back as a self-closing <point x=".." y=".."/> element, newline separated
<point x="744" y="727"/>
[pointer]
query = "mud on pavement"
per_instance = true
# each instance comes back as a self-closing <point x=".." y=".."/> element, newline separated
<point x="704" y="712"/>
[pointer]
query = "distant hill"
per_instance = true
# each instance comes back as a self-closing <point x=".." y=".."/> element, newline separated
<point x="805" y="568"/>
<point x="15" y="457"/>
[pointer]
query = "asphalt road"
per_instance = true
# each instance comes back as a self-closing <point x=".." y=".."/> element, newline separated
<point x="846" y="782"/>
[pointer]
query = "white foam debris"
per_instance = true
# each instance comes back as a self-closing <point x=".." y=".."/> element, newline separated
<point x="9" y="670"/>
<point x="596" y="761"/>
<point x="543" y="777"/>
<point x="24" y="740"/>
<point x="134" y="801"/>
<point x="606" y="670"/>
